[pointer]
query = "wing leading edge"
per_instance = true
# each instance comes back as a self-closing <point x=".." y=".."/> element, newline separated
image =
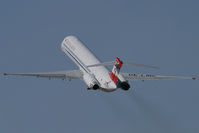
<point x="131" y="76"/>
<point x="74" y="74"/>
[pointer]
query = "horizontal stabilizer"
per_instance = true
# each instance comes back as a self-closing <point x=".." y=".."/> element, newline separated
<point x="125" y="63"/>
<point x="141" y="65"/>
<point x="110" y="63"/>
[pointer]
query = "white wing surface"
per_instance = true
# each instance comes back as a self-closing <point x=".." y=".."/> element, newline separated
<point x="131" y="76"/>
<point x="74" y="74"/>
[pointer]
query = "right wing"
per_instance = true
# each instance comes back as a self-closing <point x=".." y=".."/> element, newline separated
<point x="74" y="74"/>
<point x="131" y="76"/>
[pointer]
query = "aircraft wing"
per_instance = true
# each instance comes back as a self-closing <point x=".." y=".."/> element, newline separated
<point x="74" y="74"/>
<point x="131" y="76"/>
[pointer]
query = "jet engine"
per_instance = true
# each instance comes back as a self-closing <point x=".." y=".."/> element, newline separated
<point x="91" y="81"/>
<point x="125" y="85"/>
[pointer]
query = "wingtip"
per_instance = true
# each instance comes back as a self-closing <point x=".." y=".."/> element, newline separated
<point x="194" y="78"/>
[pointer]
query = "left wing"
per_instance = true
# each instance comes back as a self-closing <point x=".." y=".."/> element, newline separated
<point x="74" y="74"/>
<point x="131" y="76"/>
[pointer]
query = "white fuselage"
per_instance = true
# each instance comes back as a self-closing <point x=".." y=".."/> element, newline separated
<point x="83" y="57"/>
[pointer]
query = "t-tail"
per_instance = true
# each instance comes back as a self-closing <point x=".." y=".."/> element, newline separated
<point x="116" y="77"/>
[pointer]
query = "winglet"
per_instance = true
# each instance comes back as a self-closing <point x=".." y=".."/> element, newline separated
<point x="193" y="78"/>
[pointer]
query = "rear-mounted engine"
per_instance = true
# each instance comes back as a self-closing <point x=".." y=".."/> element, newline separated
<point x="125" y="86"/>
<point x="91" y="81"/>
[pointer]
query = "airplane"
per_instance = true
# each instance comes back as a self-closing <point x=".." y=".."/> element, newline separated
<point x="95" y="73"/>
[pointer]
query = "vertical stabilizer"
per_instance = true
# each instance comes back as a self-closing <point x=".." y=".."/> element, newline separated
<point x="116" y="69"/>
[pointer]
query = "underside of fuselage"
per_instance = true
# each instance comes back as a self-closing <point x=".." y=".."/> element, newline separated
<point x="108" y="89"/>
<point x="123" y="85"/>
<point x="104" y="89"/>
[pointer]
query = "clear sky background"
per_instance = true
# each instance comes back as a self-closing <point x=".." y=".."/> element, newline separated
<point x="160" y="33"/>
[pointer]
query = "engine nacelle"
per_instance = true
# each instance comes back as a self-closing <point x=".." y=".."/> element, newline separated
<point x="125" y="86"/>
<point x="91" y="81"/>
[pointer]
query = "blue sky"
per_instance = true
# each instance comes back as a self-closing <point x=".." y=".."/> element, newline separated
<point x="160" y="33"/>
